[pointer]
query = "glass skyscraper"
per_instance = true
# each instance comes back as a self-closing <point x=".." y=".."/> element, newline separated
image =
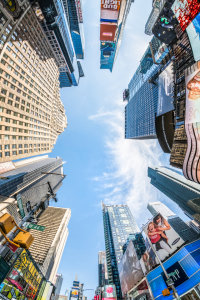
<point x="118" y="224"/>
<point x="141" y="109"/>
<point x="175" y="186"/>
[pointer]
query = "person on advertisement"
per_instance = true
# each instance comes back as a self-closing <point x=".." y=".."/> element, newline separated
<point x="194" y="88"/>
<point x="158" y="238"/>
<point x="147" y="261"/>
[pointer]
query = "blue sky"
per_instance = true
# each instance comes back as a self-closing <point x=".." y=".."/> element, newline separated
<point x="100" y="164"/>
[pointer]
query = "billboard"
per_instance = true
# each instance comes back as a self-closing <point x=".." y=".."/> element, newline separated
<point x="109" y="291"/>
<point x="107" y="48"/>
<point x="110" y="10"/>
<point x="191" y="166"/>
<point x="185" y="11"/>
<point x="185" y="264"/>
<point x="165" y="90"/>
<point x="193" y="31"/>
<point x="130" y="271"/>
<point x="107" y="32"/>
<point x="74" y="293"/>
<point x="111" y="4"/>
<point x="163" y="237"/>
<point x="148" y="259"/>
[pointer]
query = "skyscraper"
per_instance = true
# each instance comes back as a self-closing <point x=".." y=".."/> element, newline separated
<point x="142" y="96"/>
<point x="56" y="26"/>
<point x="31" y="112"/>
<point x="112" y="23"/>
<point x="175" y="186"/>
<point x="118" y="224"/>
<point x="48" y="245"/>
<point x="102" y="269"/>
<point x="30" y="182"/>
<point x="155" y="207"/>
<point x="58" y="284"/>
<point x="152" y="17"/>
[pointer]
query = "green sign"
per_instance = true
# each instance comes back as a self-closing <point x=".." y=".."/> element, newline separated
<point x="34" y="226"/>
<point x="20" y="205"/>
<point x="4" y="269"/>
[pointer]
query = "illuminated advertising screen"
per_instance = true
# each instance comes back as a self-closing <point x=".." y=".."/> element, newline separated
<point x="107" y="32"/>
<point x="130" y="271"/>
<point x="193" y="31"/>
<point x="110" y="10"/>
<point x="183" y="268"/>
<point x="191" y="165"/>
<point x="109" y="292"/>
<point x="185" y="11"/>
<point x="165" y="91"/>
<point x="164" y="239"/>
<point x="107" y="48"/>
<point x="74" y="293"/>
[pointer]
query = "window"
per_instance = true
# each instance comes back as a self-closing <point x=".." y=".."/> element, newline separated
<point x="8" y="111"/>
<point x="20" y="138"/>
<point x="6" y="137"/>
<point x="14" y="129"/>
<point x="8" y="120"/>
<point x="10" y="102"/>
<point x="7" y="153"/>
<point x="16" y="105"/>
<point x="14" y="121"/>
<point x="15" y="114"/>
<point x="20" y="145"/>
<point x="3" y="92"/>
<point x="2" y="99"/>
<point x="14" y="137"/>
<point x="14" y="153"/>
<point x="7" y="128"/>
<point x="12" y="86"/>
<point x="11" y="96"/>
<point x="17" y="99"/>
<point x="7" y="147"/>
<point x="5" y="82"/>
<point x="20" y="151"/>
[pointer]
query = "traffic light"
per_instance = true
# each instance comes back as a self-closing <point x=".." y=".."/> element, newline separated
<point x="23" y="239"/>
<point x="166" y="292"/>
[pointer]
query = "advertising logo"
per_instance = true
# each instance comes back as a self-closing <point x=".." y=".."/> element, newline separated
<point x="109" y="290"/>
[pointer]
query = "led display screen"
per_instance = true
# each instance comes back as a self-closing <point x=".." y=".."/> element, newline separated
<point x="107" y="32"/>
<point x="185" y="11"/>
<point x="193" y="31"/>
<point x="165" y="91"/>
<point x="130" y="271"/>
<point x="191" y="165"/>
<point x="189" y="259"/>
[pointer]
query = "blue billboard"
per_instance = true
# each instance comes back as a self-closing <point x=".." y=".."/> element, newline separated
<point x="186" y="260"/>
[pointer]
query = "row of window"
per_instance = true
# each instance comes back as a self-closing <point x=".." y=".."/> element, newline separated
<point x="8" y="120"/>
<point x="9" y="153"/>
<point x="14" y="129"/>
<point x="15" y="146"/>
<point x="15" y="137"/>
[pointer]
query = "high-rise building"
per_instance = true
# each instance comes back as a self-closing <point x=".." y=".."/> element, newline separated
<point x="112" y="23"/>
<point x="159" y="207"/>
<point x="152" y="17"/>
<point x="118" y="224"/>
<point x="102" y="269"/>
<point x="185" y="231"/>
<point x="73" y="11"/>
<point x="31" y="112"/>
<point x="175" y="186"/>
<point x="142" y="94"/>
<point x="58" y="284"/>
<point x="57" y="30"/>
<point x="48" y="245"/>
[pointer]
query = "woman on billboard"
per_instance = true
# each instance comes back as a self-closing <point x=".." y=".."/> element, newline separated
<point x="158" y="238"/>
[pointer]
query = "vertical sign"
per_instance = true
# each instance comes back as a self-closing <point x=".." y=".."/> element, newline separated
<point x="20" y="205"/>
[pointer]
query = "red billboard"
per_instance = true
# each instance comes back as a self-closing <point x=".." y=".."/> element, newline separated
<point x="110" y="4"/>
<point x="107" y="32"/>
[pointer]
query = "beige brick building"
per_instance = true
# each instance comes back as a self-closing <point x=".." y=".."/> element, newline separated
<point x="31" y="112"/>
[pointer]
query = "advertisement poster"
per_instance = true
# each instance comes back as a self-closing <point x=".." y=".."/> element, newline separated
<point x="163" y="237"/>
<point x="110" y="10"/>
<point x="107" y="48"/>
<point x="110" y="4"/>
<point x="130" y="271"/>
<point x="109" y="292"/>
<point x="74" y="293"/>
<point x="165" y="91"/>
<point x="185" y="11"/>
<point x="107" y="32"/>
<point x="193" y="31"/>
<point x="148" y="259"/>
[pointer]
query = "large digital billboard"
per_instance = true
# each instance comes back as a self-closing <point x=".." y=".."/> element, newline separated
<point x="183" y="268"/>
<point x="107" y="32"/>
<point x="185" y="11"/>
<point x="193" y="31"/>
<point x="165" y="90"/>
<point x="110" y="10"/>
<point x="148" y="259"/>
<point x="130" y="271"/>
<point x="107" y="48"/>
<point x="164" y="239"/>
<point x="191" y="165"/>
<point x="109" y="292"/>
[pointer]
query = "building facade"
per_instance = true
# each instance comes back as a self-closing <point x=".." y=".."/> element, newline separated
<point x="140" y="112"/>
<point x="58" y="284"/>
<point x="118" y="224"/>
<point x="102" y="269"/>
<point x="109" y="48"/>
<point x="48" y="245"/>
<point x="159" y="207"/>
<point x="31" y="112"/>
<point x="175" y="186"/>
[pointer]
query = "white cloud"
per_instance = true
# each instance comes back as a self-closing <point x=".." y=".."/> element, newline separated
<point x="126" y="180"/>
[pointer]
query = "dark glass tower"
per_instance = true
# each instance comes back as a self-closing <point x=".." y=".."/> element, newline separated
<point x="118" y="224"/>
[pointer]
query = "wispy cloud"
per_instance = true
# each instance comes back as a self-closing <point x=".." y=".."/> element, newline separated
<point x="126" y="180"/>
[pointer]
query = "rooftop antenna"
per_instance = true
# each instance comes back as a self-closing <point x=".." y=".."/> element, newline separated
<point x="76" y="277"/>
